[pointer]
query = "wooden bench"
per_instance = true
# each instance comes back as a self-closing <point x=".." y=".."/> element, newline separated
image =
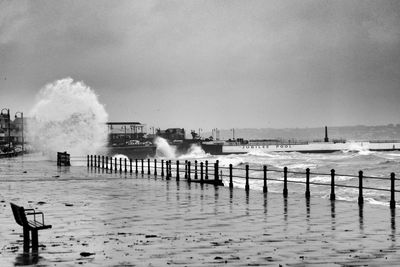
<point x="29" y="224"/>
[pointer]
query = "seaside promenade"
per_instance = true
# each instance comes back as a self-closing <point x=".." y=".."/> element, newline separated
<point x="123" y="219"/>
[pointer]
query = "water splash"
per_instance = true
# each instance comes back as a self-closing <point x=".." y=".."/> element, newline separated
<point x="164" y="150"/>
<point x="68" y="117"/>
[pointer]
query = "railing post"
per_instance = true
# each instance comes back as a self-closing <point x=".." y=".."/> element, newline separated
<point x="230" y="176"/>
<point x="120" y="164"/>
<point x="98" y="161"/>
<point x="206" y="175"/>
<point x="155" y="167"/>
<point x="136" y="166"/>
<point x="216" y="170"/>
<point x="195" y="170"/>
<point x="170" y="168"/>
<point x="102" y="162"/>
<point x="392" y="190"/>
<point x="177" y="170"/>
<point x="95" y="161"/>
<point x="360" y="188"/>
<point x="265" y="187"/>
<point x="142" y="160"/>
<point x="162" y="168"/>
<point x="111" y="164"/>
<point x="285" y="189"/>
<point x="247" y="187"/>
<point x="115" y="164"/>
<point x="308" y="183"/>
<point x="130" y="165"/>
<point x="167" y="163"/>
<point x="188" y="171"/>
<point x="91" y="161"/>
<point x="333" y="196"/>
<point x="126" y="168"/>
<point x="88" y="161"/>
<point x="106" y="162"/>
<point x="201" y="172"/>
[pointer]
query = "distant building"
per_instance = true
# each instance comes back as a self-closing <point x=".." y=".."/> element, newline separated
<point x="122" y="133"/>
<point x="172" y="134"/>
<point x="12" y="132"/>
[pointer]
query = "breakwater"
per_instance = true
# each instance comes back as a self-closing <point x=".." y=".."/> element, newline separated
<point x="213" y="173"/>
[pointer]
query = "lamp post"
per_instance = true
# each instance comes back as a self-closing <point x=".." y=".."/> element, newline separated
<point x="9" y="126"/>
<point x="233" y="133"/>
<point x="22" y="126"/>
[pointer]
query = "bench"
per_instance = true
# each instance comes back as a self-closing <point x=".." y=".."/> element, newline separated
<point x="29" y="224"/>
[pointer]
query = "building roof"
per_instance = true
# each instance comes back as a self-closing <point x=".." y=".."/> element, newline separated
<point x="124" y="123"/>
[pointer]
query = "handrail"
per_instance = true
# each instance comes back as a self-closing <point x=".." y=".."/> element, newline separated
<point x="205" y="170"/>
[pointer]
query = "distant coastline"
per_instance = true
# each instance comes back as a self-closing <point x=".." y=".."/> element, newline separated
<point x="358" y="132"/>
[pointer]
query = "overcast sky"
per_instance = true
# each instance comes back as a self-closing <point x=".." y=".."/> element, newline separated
<point x="208" y="64"/>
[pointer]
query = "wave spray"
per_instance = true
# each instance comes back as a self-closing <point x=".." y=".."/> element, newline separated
<point x="68" y="117"/>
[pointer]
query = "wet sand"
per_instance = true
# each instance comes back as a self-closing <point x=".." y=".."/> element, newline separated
<point x="123" y="219"/>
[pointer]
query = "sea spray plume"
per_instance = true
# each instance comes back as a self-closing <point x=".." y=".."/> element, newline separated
<point x="164" y="150"/>
<point x="68" y="117"/>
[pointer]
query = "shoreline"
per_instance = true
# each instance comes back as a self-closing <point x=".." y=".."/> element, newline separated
<point x="140" y="220"/>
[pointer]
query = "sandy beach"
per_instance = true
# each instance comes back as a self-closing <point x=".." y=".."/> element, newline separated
<point x="113" y="219"/>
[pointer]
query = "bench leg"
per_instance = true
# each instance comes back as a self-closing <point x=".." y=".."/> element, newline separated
<point x="35" y="240"/>
<point x="26" y="239"/>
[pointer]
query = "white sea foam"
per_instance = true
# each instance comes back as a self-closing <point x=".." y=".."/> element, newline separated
<point x="164" y="150"/>
<point x="68" y="117"/>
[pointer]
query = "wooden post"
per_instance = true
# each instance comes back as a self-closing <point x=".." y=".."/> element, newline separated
<point x="195" y="169"/>
<point x="285" y="189"/>
<point x="247" y="187"/>
<point x="188" y="171"/>
<point x="360" y="188"/>
<point x="265" y="187"/>
<point x="136" y="166"/>
<point x="130" y="165"/>
<point x="162" y="168"/>
<point x="142" y="166"/>
<point x="230" y="176"/>
<point x="333" y="196"/>
<point x="155" y="167"/>
<point x="106" y="162"/>
<point x="206" y="176"/>
<point x="308" y="183"/>
<point x="201" y="172"/>
<point x="392" y="189"/>
<point x="177" y="170"/>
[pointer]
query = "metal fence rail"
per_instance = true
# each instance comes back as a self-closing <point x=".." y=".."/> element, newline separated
<point x="207" y="172"/>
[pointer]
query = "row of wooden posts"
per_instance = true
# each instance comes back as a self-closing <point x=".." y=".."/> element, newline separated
<point x="95" y="161"/>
